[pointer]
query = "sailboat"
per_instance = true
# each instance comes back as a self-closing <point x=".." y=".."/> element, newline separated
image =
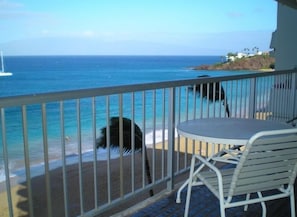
<point x="2" y="72"/>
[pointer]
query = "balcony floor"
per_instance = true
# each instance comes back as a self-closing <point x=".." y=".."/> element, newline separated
<point x="205" y="204"/>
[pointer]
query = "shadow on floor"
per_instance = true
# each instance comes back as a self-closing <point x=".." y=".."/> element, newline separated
<point x="205" y="204"/>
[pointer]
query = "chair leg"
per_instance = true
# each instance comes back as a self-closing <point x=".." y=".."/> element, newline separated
<point x="178" y="200"/>
<point x="189" y="186"/>
<point x="292" y="200"/>
<point x="263" y="205"/>
<point x="222" y="209"/>
<point x="247" y="198"/>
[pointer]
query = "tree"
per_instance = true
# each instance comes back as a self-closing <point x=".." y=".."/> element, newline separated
<point x="247" y="51"/>
<point x="255" y="50"/>
<point x="114" y="126"/>
<point x="207" y="91"/>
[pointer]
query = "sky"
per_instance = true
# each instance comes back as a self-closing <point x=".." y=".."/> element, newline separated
<point x="135" y="27"/>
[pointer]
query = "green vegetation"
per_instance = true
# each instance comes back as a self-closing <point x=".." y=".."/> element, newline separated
<point x="256" y="62"/>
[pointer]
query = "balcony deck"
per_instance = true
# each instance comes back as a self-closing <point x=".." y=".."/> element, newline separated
<point x="106" y="187"/>
<point x="205" y="204"/>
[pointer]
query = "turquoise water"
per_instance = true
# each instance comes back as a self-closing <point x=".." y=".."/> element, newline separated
<point x="41" y="74"/>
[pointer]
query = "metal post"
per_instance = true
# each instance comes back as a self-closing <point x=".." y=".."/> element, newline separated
<point x="293" y="95"/>
<point x="171" y="139"/>
<point x="252" y="101"/>
<point x="27" y="159"/>
<point x="46" y="160"/>
<point x="6" y="167"/>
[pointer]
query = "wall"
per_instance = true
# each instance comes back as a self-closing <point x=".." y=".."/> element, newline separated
<point x="284" y="39"/>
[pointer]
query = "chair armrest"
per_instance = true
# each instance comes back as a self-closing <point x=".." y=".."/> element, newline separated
<point x="220" y="194"/>
<point x="211" y="166"/>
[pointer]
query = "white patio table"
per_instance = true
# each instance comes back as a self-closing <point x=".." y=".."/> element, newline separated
<point x="230" y="131"/>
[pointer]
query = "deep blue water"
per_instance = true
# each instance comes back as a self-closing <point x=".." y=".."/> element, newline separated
<point x="41" y="74"/>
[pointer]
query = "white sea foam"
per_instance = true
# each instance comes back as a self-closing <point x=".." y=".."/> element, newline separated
<point x="38" y="169"/>
<point x="159" y="136"/>
<point x="73" y="157"/>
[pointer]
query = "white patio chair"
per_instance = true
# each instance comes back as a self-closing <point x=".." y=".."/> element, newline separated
<point x="268" y="162"/>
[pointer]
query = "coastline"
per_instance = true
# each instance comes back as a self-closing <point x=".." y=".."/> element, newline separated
<point x="20" y="194"/>
<point x="252" y="63"/>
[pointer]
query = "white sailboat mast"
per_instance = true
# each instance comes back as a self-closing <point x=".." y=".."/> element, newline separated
<point x="2" y="72"/>
<point x="2" y="64"/>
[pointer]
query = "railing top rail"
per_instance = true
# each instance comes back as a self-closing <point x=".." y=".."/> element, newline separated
<point x="102" y="91"/>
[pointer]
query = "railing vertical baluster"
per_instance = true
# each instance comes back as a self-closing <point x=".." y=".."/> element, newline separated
<point x="244" y="96"/>
<point x="266" y="96"/>
<point x="154" y="136"/>
<point x="194" y="101"/>
<point x="46" y="160"/>
<point x="287" y="94"/>
<point x="79" y="143"/>
<point x="64" y="163"/>
<point x="236" y="99"/>
<point x="133" y="142"/>
<point x="280" y="96"/>
<point x="230" y="99"/>
<point x="163" y="132"/>
<point x="273" y="96"/>
<point x="171" y="139"/>
<point x="263" y="94"/>
<point x="143" y="137"/>
<point x="293" y="95"/>
<point x="95" y="152"/>
<point x="245" y="99"/>
<point x="194" y="113"/>
<point x="178" y="121"/>
<point x="187" y="118"/>
<point x="187" y="104"/>
<point x="27" y="160"/>
<point x="258" y="97"/>
<point x="108" y="148"/>
<point x="207" y="99"/>
<point x="227" y="98"/>
<point x="201" y="101"/>
<point x="214" y="99"/>
<point x="252" y="101"/>
<point x="121" y="130"/>
<point x="218" y="111"/>
<point x="269" y="95"/>
<point x="201" y="115"/>
<point x="6" y="163"/>
<point x="241" y="99"/>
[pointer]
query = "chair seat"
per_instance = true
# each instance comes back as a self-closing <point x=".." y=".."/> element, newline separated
<point x="210" y="179"/>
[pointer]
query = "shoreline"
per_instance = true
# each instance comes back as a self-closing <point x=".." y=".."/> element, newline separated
<point x="20" y="194"/>
<point x="250" y="63"/>
<point x="55" y="161"/>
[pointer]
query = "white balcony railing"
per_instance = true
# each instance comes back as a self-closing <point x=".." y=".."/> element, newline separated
<point x="49" y="162"/>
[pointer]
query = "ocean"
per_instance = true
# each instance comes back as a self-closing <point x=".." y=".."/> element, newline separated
<point x="43" y="74"/>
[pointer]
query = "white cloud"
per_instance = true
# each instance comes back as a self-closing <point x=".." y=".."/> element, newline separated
<point x="89" y="33"/>
<point x="45" y="32"/>
<point x="8" y="5"/>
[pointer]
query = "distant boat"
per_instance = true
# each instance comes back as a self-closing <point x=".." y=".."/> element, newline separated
<point x="2" y="72"/>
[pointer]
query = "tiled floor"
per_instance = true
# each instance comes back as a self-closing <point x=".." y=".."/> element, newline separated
<point x="205" y="204"/>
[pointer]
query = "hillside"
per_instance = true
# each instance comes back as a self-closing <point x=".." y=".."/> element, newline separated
<point x="258" y="62"/>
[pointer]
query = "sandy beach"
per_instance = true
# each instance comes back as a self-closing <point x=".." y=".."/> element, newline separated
<point x="20" y="193"/>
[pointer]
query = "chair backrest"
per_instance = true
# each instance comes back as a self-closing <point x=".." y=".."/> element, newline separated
<point x="268" y="162"/>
